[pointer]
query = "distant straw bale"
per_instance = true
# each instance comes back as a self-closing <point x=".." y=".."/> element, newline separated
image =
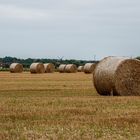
<point x="16" y="68"/>
<point x="80" y="69"/>
<point x="61" y="68"/>
<point x="117" y="76"/>
<point x="37" y="68"/>
<point x="49" y="67"/>
<point x="71" y="68"/>
<point x="89" y="67"/>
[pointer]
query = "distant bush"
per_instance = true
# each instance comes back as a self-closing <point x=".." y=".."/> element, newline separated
<point x="138" y="57"/>
<point x="4" y="69"/>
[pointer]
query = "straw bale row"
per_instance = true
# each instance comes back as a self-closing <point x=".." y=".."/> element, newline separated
<point x="88" y="68"/>
<point x="69" y="68"/>
<point x="34" y="68"/>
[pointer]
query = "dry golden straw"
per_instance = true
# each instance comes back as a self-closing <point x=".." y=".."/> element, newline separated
<point x="80" y="69"/>
<point x="16" y="68"/>
<point x="49" y="67"/>
<point x="71" y="68"/>
<point x="37" y="68"/>
<point x="89" y="67"/>
<point x="61" y="68"/>
<point x="117" y="76"/>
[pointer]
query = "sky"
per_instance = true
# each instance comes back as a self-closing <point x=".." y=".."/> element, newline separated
<point x="72" y="29"/>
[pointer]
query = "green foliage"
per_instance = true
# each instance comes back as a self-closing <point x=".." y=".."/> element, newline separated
<point x="6" y="61"/>
<point x="138" y="57"/>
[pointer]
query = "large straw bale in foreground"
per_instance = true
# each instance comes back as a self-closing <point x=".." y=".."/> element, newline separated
<point x="49" y="67"/>
<point x="16" y="68"/>
<point x="117" y="76"/>
<point x="61" y="68"/>
<point x="89" y="67"/>
<point x="80" y="69"/>
<point x="37" y="68"/>
<point x="71" y="68"/>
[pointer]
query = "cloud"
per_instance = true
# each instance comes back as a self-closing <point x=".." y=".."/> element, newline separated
<point x="56" y="28"/>
<point x="14" y="12"/>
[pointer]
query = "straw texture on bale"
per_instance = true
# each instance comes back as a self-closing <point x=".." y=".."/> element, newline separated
<point x="71" y="68"/>
<point x="61" y="68"/>
<point x="89" y="67"/>
<point x="16" y="68"/>
<point x="117" y="76"/>
<point x="80" y="69"/>
<point x="37" y="68"/>
<point x="49" y="68"/>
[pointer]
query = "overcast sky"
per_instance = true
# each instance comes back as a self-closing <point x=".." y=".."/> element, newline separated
<point x="74" y="29"/>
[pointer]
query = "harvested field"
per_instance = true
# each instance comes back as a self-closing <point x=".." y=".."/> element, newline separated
<point x="63" y="106"/>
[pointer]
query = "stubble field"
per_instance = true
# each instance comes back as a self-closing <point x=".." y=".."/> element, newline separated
<point x="63" y="106"/>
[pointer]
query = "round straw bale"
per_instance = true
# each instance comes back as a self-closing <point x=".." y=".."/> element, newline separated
<point x="16" y="68"/>
<point x="89" y="67"/>
<point x="37" y="68"/>
<point x="61" y="68"/>
<point x="49" y="67"/>
<point x="71" y="68"/>
<point x="117" y="76"/>
<point x="80" y="69"/>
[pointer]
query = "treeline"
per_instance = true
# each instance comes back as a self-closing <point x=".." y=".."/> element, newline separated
<point x="138" y="57"/>
<point x="6" y="61"/>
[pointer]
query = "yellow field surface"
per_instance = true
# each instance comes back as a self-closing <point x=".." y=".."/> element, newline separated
<point x="63" y="107"/>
